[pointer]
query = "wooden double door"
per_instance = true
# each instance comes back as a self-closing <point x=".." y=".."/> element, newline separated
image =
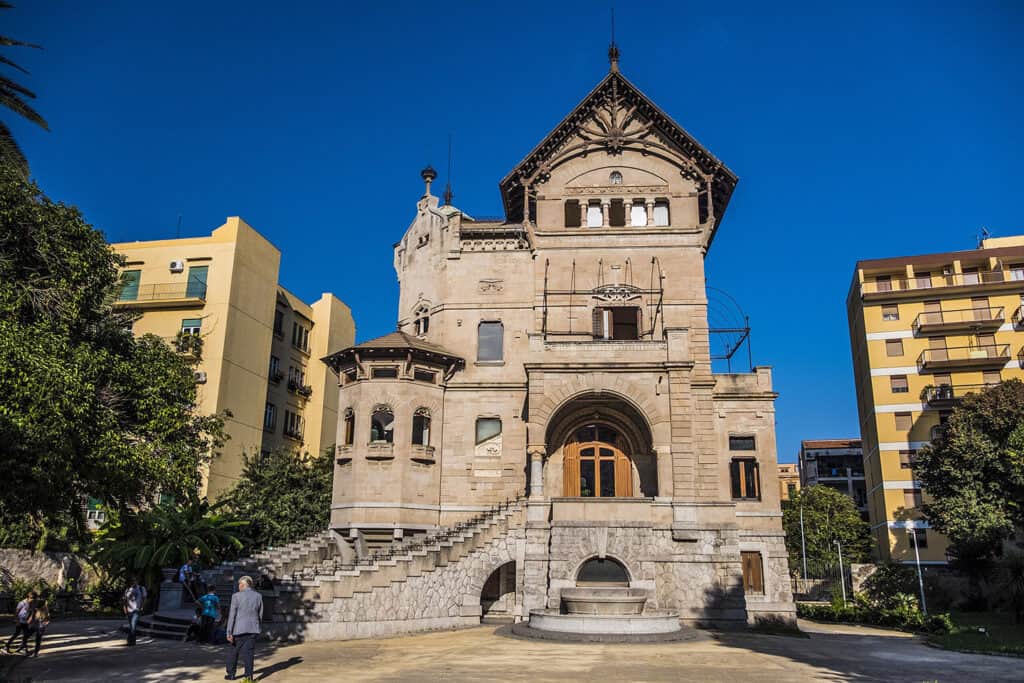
<point x="594" y="464"/>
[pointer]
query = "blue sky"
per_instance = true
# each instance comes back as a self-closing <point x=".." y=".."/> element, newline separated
<point x="858" y="130"/>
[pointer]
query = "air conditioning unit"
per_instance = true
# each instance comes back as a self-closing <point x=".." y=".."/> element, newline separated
<point x="200" y="376"/>
<point x="177" y="266"/>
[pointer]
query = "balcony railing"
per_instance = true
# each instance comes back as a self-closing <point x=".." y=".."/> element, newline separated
<point x="948" y="394"/>
<point x="380" y="450"/>
<point x="962" y="319"/>
<point x="964" y="357"/>
<point x="903" y="284"/>
<point x="163" y="293"/>
<point x="423" y="454"/>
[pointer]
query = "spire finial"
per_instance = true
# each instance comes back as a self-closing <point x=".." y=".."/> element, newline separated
<point x="428" y="174"/>
<point x="613" y="49"/>
<point x="448" y="194"/>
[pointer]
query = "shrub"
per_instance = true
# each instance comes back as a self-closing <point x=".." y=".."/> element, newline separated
<point x="904" y="614"/>
<point x="888" y="581"/>
<point x="939" y="624"/>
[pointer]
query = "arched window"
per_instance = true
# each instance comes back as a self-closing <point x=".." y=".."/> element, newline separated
<point x="350" y="426"/>
<point x="422" y="323"/>
<point x="421" y="427"/>
<point x="615" y="178"/>
<point x="382" y="424"/>
<point x="602" y="572"/>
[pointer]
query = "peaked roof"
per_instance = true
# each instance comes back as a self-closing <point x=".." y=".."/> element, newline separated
<point x="394" y="344"/>
<point x="615" y="91"/>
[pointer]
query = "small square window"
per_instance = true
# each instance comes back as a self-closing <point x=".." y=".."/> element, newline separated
<point x="898" y="384"/>
<point x="907" y="459"/>
<point x="424" y="376"/>
<point x="904" y="421"/>
<point x="890" y="312"/>
<point x="385" y="372"/>
<point x="912" y="498"/>
<point x="487" y="428"/>
<point x="893" y="347"/>
<point x="921" y="535"/>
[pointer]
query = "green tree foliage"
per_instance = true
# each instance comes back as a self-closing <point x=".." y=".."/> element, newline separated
<point x="828" y="516"/>
<point x="85" y="408"/>
<point x="143" y="543"/>
<point x="13" y="96"/>
<point x="284" y="496"/>
<point x="974" y="473"/>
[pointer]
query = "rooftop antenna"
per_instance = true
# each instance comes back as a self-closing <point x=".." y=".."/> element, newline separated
<point x="613" y="49"/>
<point x="984" y="236"/>
<point x="448" y="195"/>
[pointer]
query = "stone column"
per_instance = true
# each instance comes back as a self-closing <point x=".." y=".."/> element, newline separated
<point x="650" y="211"/>
<point x="584" y="204"/>
<point x="536" y="454"/>
<point x="606" y="206"/>
<point x="627" y="206"/>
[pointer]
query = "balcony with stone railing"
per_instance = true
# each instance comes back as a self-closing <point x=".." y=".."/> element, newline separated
<point x="163" y="295"/>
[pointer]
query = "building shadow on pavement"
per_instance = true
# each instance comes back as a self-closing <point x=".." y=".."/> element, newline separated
<point x="274" y="668"/>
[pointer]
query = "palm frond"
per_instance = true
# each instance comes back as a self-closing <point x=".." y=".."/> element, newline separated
<point x="14" y="102"/>
<point x="13" y="65"/>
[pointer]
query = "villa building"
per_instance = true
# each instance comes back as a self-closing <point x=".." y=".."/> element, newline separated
<point x="561" y="355"/>
<point x="254" y="344"/>
<point x="925" y="331"/>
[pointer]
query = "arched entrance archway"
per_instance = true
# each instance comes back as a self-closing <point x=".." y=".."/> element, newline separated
<point x="498" y="596"/>
<point x="601" y="447"/>
<point x="595" y="464"/>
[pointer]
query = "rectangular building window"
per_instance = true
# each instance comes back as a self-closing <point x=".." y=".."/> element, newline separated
<point x="907" y="459"/>
<point x="622" y="323"/>
<point x="891" y="312"/>
<point x="1017" y="271"/>
<point x="898" y="384"/>
<point x="638" y="214"/>
<point x="990" y="377"/>
<point x="921" y="535"/>
<point x="745" y="479"/>
<point x="912" y="498"/>
<point x="883" y="283"/>
<point x="980" y="308"/>
<point x="903" y="422"/>
<point x="923" y="280"/>
<point x="279" y="324"/>
<point x="349" y="376"/>
<point x="293" y="424"/>
<point x="191" y="325"/>
<point x="987" y="342"/>
<point x="661" y="217"/>
<point x="490" y="341"/>
<point x="384" y="372"/>
<point x="421" y="428"/>
<point x="487" y="428"/>
<point x="617" y="213"/>
<point x="270" y="417"/>
<point x="753" y="572"/>
<point x="893" y="347"/>
<point x="742" y="443"/>
<point x="129" y="285"/>
<point x="274" y="371"/>
<point x="196" y="287"/>
<point x="300" y="336"/>
<point x="427" y="376"/>
<point x="971" y="276"/>
<point x="572" y="213"/>
<point x="595" y="217"/>
<point x="350" y="427"/>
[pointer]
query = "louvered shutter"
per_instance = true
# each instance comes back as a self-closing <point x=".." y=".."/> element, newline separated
<point x="623" y="475"/>
<point x="598" y="322"/>
<point x="571" y="470"/>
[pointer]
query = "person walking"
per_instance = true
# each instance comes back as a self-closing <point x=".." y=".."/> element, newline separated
<point x="134" y="600"/>
<point x="210" y="605"/>
<point x="37" y="625"/>
<point x="22" y="617"/>
<point x="243" y="627"/>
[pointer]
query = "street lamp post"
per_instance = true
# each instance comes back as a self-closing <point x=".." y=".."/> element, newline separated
<point x="917" y="559"/>
<point x="842" y="576"/>
<point x="803" y="544"/>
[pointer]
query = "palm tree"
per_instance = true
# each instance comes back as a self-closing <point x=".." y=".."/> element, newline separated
<point x="167" y="535"/>
<point x="12" y="96"/>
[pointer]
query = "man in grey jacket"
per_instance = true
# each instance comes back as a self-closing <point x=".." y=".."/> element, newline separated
<point x="243" y="627"/>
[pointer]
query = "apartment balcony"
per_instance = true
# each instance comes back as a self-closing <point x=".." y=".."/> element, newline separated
<point x="948" y="395"/>
<point x="959" y="357"/>
<point x="937" y="285"/>
<point x="164" y="295"/>
<point x="972" y="320"/>
<point x="423" y="454"/>
<point x="380" y="450"/>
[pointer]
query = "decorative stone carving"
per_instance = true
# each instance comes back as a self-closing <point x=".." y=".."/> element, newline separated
<point x="491" y="286"/>
<point x="616" y="293"/>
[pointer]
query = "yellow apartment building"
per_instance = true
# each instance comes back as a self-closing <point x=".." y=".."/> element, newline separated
<point x="789" y="480"/>
<point x="925" y="331"/>
<point x="256" y="347"/>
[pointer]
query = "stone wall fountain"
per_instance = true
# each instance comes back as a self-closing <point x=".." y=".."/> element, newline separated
<point x="606" y="611"/>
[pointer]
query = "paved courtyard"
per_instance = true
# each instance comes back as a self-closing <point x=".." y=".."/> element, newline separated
<point x="94" y="651"/>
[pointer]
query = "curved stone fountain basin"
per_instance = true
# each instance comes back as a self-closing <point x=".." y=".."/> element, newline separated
<point x="655" y="621"/>
<point x="604" y="600"/>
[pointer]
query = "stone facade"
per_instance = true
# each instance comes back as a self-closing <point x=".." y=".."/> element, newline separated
<point x="563" y="354"/>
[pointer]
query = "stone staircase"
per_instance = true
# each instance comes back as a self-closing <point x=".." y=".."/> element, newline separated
<point x="317" y="593"/>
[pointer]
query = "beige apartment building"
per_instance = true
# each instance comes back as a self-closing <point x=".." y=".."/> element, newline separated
<point x="255" y="346"/>
<point x="561" y="353"/>
<point x="789" y="480"/>
<point x="925" y="331"/>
